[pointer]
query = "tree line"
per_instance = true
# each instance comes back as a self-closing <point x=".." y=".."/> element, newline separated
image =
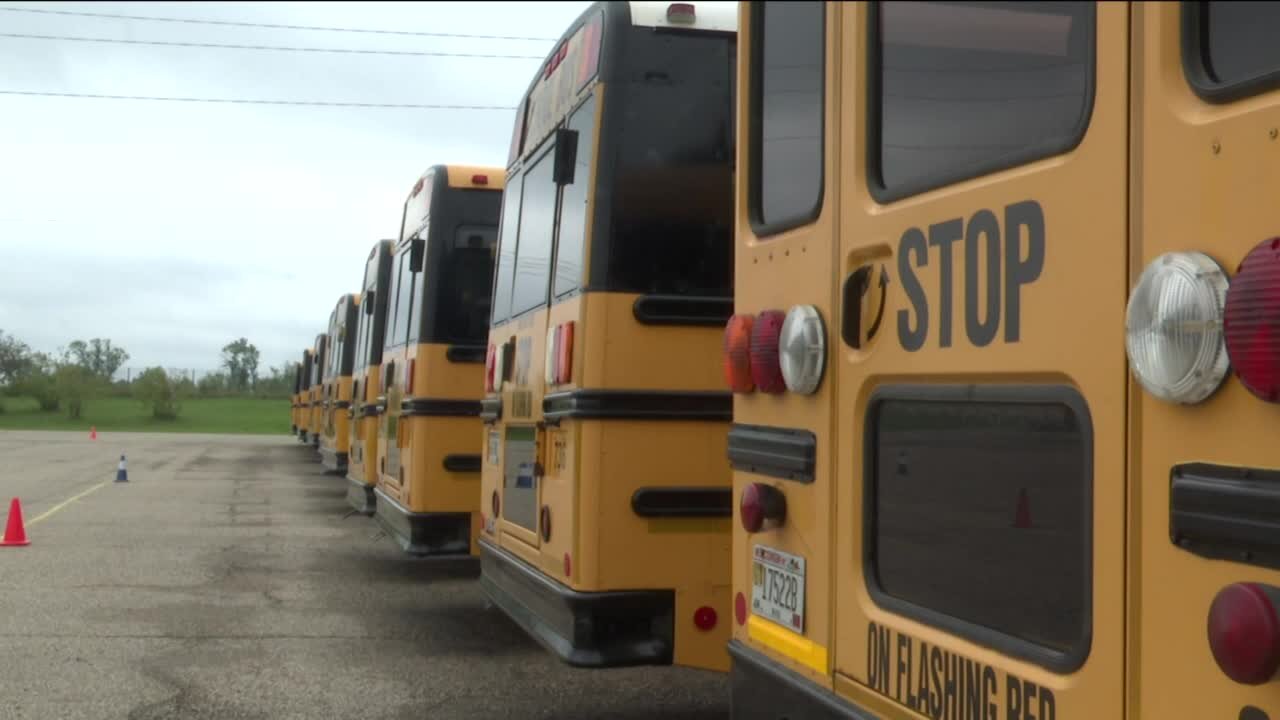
<point x="70" y="378"/>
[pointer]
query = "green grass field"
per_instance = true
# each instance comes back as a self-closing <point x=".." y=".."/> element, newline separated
<point x="256" y="416"/>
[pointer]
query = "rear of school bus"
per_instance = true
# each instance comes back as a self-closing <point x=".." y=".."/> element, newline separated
<point x="302" y="410"/>
<point x="1020" y="466"/>
<point x="315" y="411"/>
<point x="362" y="471"/>
<point x="335" y="443"/>
<point x="605" y="489"/>
<point x="428" y="492"/>
<point x="293" y="399"/>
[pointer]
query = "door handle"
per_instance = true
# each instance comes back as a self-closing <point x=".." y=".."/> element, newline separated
<point x="857" y="287"/>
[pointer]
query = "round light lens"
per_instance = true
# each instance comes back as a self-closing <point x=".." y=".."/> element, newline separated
<point x="802" y="349"/>
<point x="1251" y="321"/>
<point x="1173" y="327"/>
<point x="1244" y="633"/>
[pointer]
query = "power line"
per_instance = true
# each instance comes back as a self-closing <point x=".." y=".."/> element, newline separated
<point x="249" y="101"/>
<point x="222" y="46"/>
<point x="322" y="28"/>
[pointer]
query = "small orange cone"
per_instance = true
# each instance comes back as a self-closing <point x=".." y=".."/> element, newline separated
<point x="93" y="433"/>
<point x="1022" y="516"/>
<point x="14" y="532"/>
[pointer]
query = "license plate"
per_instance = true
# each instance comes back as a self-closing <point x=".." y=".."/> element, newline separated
<point x="777" y="587"/>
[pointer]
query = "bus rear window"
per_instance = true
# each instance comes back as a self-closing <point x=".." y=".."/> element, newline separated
<point x="507" y="249"/>
<point x="979" y="516"/>
<point x="1238" y="42"/>
<point x="964" y="89"/>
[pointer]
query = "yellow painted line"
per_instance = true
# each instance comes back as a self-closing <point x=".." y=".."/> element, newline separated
<point x="788" y="644"/>
<point x="64" y="503"/>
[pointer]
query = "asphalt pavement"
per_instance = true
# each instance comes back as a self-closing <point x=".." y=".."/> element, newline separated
<point x="225" y="580"/>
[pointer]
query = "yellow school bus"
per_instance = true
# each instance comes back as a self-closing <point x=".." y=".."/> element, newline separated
<point x="989" y="460"/>
<point x="605" y="488"/>
<point x="303" y="410"/>
<point x="335" y="439"/>
<point x="315" y="407"/>
<point x="428" y="493"/>
<point x="294" y="400"/>
<point x="362" y="472"/>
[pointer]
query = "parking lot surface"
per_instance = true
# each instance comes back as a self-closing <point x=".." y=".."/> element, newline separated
<point x="223" y="581"/>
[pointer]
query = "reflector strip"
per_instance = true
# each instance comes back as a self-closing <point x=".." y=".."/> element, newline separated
<point x="788" y="644"/>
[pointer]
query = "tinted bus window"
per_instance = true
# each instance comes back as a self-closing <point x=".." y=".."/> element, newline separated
<point x="573" y="203"/>
<point x="981" y="513"/>
<point x="533" y="252"/>
<point x="787" y="127"/>
<point x="670" y="229"/>
<point x="507" y="250"/>
<point x="967" y="88"/>
<point x="462" y="301"/>
<point x="401" y="287"/>
<point x="1239" y="40"/>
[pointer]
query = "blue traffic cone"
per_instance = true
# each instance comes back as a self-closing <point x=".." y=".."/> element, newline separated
<point x="122" y="472"/>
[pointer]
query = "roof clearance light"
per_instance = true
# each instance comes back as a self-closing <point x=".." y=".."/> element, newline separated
<point x="737" y="357"/>
<point x="681" y="13"/>
<point x="766" y="365"/>
<point x="1251" y="321"/>
<point x="1173" y="327"/>
<point x="479" y="179"/>
<point x="802" y="349"/>
<point x="1244" y="633"/>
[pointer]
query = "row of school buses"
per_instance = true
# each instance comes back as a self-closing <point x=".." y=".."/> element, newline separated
<point x="904" y="360"/>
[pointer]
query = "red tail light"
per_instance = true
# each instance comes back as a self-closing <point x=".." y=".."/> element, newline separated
<point x="1244" y="633"/>
<point x="489" y="358"/>
<point x="704" y="618"/>
<point x="737" y="354"/>
<point x="766" y="365"/>
<point x="408" y="382"/>
<point x="1251" y="321"/>
<point x="564" y="353"/>
<point x="479" y="179"/>
<point x="760" y="504"/>
<point x="568" y="565"/>
<point x="740" y="609"/>
<point x="495" y="504"/>
<point x="544" y="521"/>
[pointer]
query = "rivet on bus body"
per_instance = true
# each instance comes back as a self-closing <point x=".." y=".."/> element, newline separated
<point x="1217" y="147"/>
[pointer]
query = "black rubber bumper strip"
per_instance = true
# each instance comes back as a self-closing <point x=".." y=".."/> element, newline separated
<point x="776" y="452"/>
<point x="584" y="629"/>
<point x="462" y="463"/>
<point x="682" y="310"/>
<point x="370" y="410"/>
<point x="762" y="689"/>
<point x="638" y="405"/>
<point x="440" y="408"/>
<point x="658" y="502"/>
<point x="342" y="404"/>
<point x="465" y="353"/>
<point x="1226" y="513"/>
<point x="491" y="409"/>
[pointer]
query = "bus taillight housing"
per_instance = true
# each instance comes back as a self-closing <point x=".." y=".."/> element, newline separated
<point x="1244" y="632"/>
<point x="766" y="365"/>
<point x="558" y="368"/>
<point x="1251" y="321"/>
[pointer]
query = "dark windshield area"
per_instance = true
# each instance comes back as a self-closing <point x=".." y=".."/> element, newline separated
<point x="1240" y="40"/>
<point x="669" y="141"/>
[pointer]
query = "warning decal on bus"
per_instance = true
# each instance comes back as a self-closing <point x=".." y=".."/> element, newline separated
<point x="943" y="685"/>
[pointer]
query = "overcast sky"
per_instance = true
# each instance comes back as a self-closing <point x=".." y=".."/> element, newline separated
<point x="174" y="228"/>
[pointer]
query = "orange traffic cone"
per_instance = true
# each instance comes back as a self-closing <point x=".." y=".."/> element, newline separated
<point x="93" y="433"/>
<point x="1022" y="516"/>
<point x="14" y="532"/>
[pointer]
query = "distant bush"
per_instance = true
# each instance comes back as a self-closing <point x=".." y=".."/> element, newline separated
<point x="159" y="392"/>
<point x="75" y="386"/>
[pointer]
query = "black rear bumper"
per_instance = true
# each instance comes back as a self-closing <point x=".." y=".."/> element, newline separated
<point x="333" y="461"/>
<point x="361" y="497"/>
<point x="434" y="534"/>
<point x="761" y="689"/>
<point x="584" y="629"/>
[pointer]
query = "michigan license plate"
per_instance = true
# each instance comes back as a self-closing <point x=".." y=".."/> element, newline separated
<point x="777" y="587"/>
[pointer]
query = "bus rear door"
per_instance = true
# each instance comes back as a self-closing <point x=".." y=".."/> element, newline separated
<point x="980" y="498"/>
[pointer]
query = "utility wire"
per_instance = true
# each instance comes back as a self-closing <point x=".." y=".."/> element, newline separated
<point x="198" y="21"/>
<point x="248" y="101"/>
<point x="351" y="51"/>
